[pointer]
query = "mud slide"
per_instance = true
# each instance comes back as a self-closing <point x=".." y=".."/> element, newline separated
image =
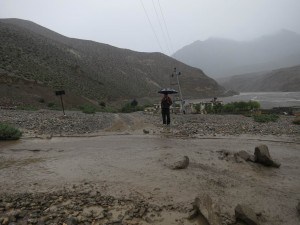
<point x="136" y="167"/>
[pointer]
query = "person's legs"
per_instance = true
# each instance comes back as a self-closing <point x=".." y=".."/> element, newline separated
<point x="168" y="116"/>
<point x="163" y="113"/>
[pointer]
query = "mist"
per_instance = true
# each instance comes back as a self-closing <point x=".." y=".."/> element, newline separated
<point x="172" y="24"/>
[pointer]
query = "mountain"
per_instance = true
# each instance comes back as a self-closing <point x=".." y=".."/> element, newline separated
<point x="285" y="79"/>
<point x="98" y="72"/>
<point x="222" y="57"/>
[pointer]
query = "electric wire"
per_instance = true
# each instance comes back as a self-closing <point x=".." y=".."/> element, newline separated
<point x="161" y="28"/>
<point x="151" y="26"/>
<point x="172" y="49"/>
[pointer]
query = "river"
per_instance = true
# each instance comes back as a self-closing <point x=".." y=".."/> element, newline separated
<point x="267" y="100"/>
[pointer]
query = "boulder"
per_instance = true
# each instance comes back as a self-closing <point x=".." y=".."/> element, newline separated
<point x="208" y="209"/>
<point x="245" y="215"/>
<point x="262" y="155"/>
<point x="181" y="163"/>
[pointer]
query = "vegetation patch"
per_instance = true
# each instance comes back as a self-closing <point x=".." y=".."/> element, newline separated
<point x="297" y="120"/>
<point x="41" y="100"/>
<point x="51" y="104"/>
<point x="8" y="132"/>
<point x="27" y="107"/>
<point x="237" y="107"/>
<point x="265" y="118"/>
<point x="132" y="107"/>
<point x="240" y="107"/>
<point x="89" y="109"/>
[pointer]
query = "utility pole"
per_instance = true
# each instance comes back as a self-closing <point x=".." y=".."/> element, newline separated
<point x="175" y="73"/>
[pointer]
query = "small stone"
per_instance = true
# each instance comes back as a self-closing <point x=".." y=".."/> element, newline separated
<point x="72" y="221"/>
<point x="32" y="220"/>
<point x="148" y="220"/>
<point x="193" y="214"/>
<point x="5" y="221"/>
<point x="181" y="163"/>
<point x="244" y="155"/>
<point x="142" y="211"/>
<point x="146" y="131"/>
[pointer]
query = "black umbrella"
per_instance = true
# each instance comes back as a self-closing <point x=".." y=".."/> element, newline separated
<point x="168" y="91"/>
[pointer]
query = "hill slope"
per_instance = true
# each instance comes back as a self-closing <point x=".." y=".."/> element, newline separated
<point x="85" y="68"/>
<point x="222" y="57"/>
<point x="285" y="79"/>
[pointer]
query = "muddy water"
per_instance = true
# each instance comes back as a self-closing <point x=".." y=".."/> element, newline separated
<point x="137" y="165"/>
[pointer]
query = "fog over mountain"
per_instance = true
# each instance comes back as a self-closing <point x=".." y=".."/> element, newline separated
<point x="285" y="79"/>
<point x="223" y="57"/>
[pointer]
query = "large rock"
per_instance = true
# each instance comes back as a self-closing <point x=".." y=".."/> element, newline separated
<point x="180" y="163"/>
<point x="246" y="215"/>
<point x="208" y="209"/>
<point x="262" y="155"/>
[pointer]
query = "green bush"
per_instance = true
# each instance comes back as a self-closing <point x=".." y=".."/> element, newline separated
<point x="27" y="107"/>
<point x="265" y="118"/>
<point x="134" y="103"/>
<point x="297" y="120"/>
<point x="51" y="104"/>
<point x="102" y="104"/>
<point x="89" y="109"/>
<point x="8" y="132"/>
<point x="197" y="108"/>
<point x="241" y="106"/>
<point x="128" y="108"/>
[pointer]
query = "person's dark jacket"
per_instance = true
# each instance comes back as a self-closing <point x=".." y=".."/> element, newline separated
<point x="166" y="102"/>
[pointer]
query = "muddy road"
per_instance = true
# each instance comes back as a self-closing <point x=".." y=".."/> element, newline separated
<point x="136" y="166"/>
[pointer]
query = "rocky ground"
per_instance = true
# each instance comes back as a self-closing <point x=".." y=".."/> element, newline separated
<point x="119" y="169"/>
<point x="79" y="205"/>
<point x="47" y="122"/>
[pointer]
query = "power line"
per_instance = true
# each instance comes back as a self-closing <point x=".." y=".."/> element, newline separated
<point x="161" y="28"/>
<point x="151" y="26"/>
<point x="166" y="26"/>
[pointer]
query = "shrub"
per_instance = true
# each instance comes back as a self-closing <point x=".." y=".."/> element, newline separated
<point x="265" y="118"/>
<point x="8" y="132"/>
<point x="197" y="108"/>
<point x="89" y="109"/>
<point x="241" y="106"/>
<point x="41" y="100"/>
<point x="27" y="107"/>
<point x="102" y="104"/>
<point x="134" y="103"/>
<point x="128" y="108"/>
<point x="51" y="104"/>
<point x="297" y="120"/>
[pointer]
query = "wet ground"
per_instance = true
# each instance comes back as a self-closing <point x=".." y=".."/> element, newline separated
<point x="135" y="166"/>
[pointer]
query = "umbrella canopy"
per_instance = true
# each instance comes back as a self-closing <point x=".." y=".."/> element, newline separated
<point x="168" y="91"/>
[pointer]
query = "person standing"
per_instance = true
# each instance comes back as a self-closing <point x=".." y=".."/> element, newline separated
<point x="166" y="102"/>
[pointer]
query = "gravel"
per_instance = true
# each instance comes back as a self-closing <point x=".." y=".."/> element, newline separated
<point x="48" y="122"/>
<point x="73" y="207"/>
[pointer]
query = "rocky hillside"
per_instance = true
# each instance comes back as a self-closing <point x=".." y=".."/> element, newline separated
<point x="93" y="70"/>
<point x="285" y="79"/>
<point x="222" y="57"/>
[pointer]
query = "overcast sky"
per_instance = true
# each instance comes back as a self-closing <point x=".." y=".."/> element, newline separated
<point x="174" y="24"/>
